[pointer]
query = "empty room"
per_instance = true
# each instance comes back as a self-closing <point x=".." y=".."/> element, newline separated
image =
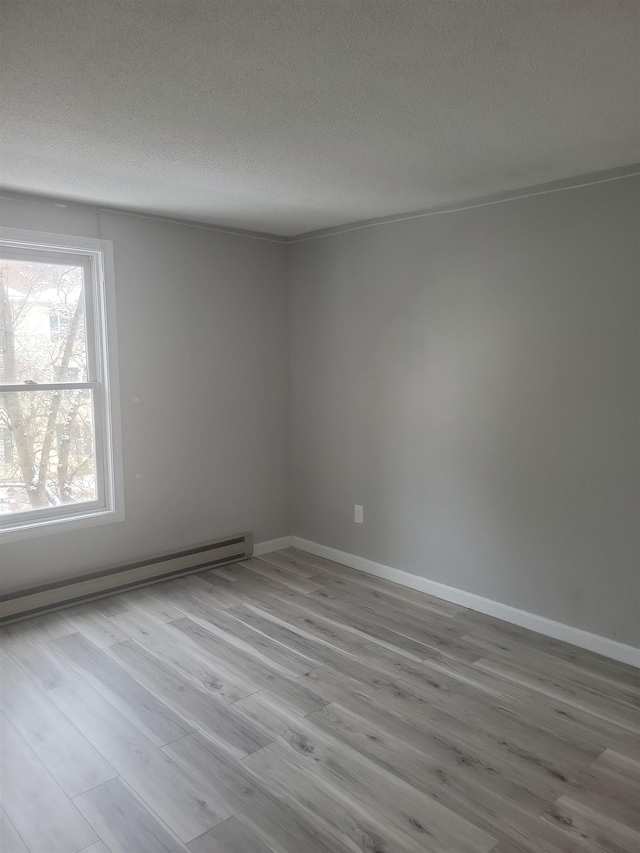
<point x="320" y="426"/>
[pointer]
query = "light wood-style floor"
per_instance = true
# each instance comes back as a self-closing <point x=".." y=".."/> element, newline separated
<point x="290" y="704"/>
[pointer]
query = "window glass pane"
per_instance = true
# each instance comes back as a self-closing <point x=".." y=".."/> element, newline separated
<point x="42" y="336"/>
<point x="47" y="455"/>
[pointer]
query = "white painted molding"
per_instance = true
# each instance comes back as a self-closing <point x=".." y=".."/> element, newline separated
<point x="501" y="198"/>
<point x="540" y="624"/>
<point x="272" y="545"/>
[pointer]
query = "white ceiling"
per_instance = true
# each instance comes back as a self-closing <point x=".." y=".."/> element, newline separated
<point x="292" y="115"/>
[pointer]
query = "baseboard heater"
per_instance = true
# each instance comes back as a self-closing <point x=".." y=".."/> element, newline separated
<point x="54" y="596"/>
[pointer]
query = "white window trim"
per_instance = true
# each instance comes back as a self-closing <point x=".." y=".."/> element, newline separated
<point x="110" y="508"/>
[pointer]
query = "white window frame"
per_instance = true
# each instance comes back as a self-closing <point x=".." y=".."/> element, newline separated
<point x="96" y="255"/>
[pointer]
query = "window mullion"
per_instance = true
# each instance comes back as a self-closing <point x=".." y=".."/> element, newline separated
<point x="48" y="386"/>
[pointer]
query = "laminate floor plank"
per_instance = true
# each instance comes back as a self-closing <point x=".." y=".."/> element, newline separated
<point x="47" y="627"/>
<point x="383" y="741"/>
<point x="585" y="730"/>
<point x="429" y="602"/>
<point x="289" y="704"/>
<point x="599" y="672"/>
<point x="428" y="632"/>
<point x="351" y="773"/>
<point x="372" y="628"/>
<point x="43" y="815"/>
<point x="96" y="847"/>
<point x="513" y="775"/>
<point x="533" y="762"/>
<point x="186" y="802"/>
<point x="359" y="829"/>
<point x="10" y="841"/>
<point x="333" y="686"/>
<point x="197" y="605"/>
<point x="35" y="655"/>
<point x="286" y="578"/>
<point x="90" y="621"/>
<point x="194" y="588"/>
<point x="288" y="563"/>
<point x="505" y="633"/>
<point x="123" y="822"/>
<point x="249" y="589"/>
<point x="67" y="755"/>
<point x="598" y="831"/>
<point x="278" y="630"/>
<point x="624" y="767"/>
<point x="504" y="715"/>
<point x="542" y="666"/>
<point x="557" y="687"/>
<point x="446" y="752"/>
<point x="113" y="605"/>
<point x="200" y="709"/>
<point x="281" y="826"/>
<point x="242" y="572"/>
<point x="136" y="623"/>
<point x="466" y="793"/>
<point x="609" y="804"/>
<point x="342" y="589"/>
<point x="143" y="708"/>
<point x="144" y="601"/>
<point x="236" y="632"/>
<point x="192" y="662"/>
<point x="230" y="836"/>
<point x="323" y="654"/>
<point x="297" y="618"/>
<point x="185" y="598"/>
<point x="245" y="586"/>
<point x="456" y="787"/>
<point x="290" y="691"/>
<point x="613" y="787"/>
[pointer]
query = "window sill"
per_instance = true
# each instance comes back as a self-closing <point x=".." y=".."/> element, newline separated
<point x="79" y="521"/>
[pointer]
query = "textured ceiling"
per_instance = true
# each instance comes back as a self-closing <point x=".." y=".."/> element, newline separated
<point x="291" y="115"/>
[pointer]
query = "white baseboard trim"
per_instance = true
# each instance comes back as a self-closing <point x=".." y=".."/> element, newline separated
<point x="272" y="545"/>
<point x="550" y="628"/>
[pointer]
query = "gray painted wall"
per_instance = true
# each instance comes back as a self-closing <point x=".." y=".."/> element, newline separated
<point x="471" y="379"/>
<point x="203" y="344"/>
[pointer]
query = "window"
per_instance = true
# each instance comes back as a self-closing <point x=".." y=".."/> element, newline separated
<point x="60" y="458"/>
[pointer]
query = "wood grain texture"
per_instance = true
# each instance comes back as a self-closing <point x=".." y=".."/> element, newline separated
<point x="38" y="808"/>
<point x="184" y="800"/>
<point x="137" y="703"/>
<point x="33" y="652"/>
<point x="230" y="836"/>
<point x="292" y="705"/>
<point x="357" y="828"/>
<point x="123" y="822"/>
<point x="72" y="761"/>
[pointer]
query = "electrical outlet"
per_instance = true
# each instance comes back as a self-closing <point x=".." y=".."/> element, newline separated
<point x="359" y="518"/>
